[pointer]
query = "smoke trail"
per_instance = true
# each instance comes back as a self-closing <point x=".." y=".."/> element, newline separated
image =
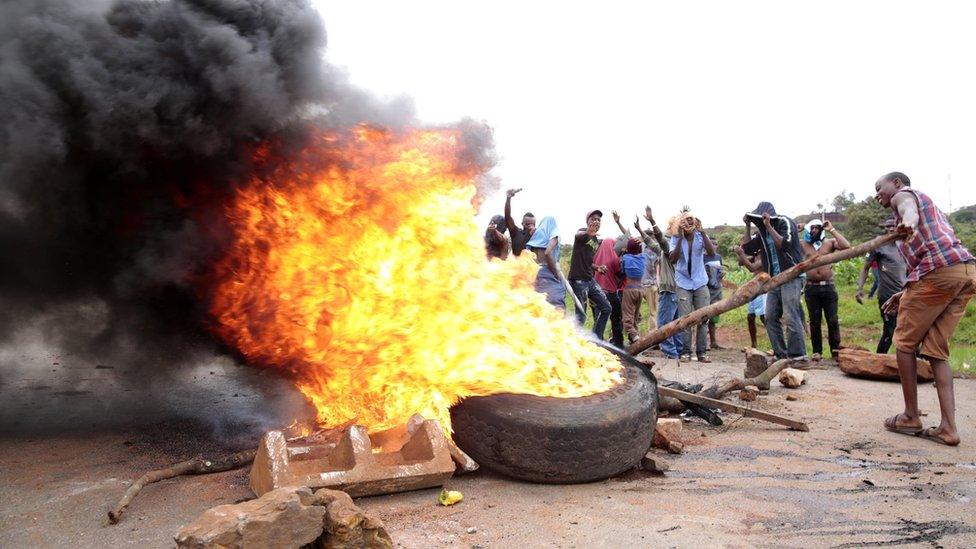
<point x="123" y="128"/>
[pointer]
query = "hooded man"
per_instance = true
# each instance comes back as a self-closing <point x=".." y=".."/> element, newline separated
<point x="779" y="243"/>
<point x="544" y="244"/>
<point x="820" y="293"/>
<point x="496" y="243"/>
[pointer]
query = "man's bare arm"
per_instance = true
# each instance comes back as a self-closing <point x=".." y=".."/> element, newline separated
<point x="550" y="257"/>
<point x="616" y="218"/>
<point x="658" y="235"/>
<point x="907" y="208"/>
<point x="862" y="279"/>
<point x="840" y="241"/>
<point x="709" y="247"/>
<point x="509" y="222"/>
<point x="754" y="264"/>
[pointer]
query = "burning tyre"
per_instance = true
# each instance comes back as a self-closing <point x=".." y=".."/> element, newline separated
<point x="562" y="440"/>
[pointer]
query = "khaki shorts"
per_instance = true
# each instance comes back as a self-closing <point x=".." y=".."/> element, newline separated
<point x="931" y="308"/>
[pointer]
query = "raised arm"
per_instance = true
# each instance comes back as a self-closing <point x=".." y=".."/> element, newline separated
<point x="509" y="222"/>
<point x="840" y="241"/>
<point x="616" y="219"/>
<point x="644" y="235"/>
<point x="656" y="231"/>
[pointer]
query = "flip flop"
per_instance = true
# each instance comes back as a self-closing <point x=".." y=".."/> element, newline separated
<point x="891" y="424"/>
<point x="930" y="433"/>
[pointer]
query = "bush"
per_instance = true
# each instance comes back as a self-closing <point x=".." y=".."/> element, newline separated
<point x="864" y="220"/>
<point x="846" y="272"/>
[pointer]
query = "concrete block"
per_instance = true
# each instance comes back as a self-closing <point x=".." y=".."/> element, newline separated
<point x="414" y="456"/>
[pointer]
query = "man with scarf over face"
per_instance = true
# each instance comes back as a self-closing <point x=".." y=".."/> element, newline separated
<point x="779" y="243"/>
<point x="820" y="293"/>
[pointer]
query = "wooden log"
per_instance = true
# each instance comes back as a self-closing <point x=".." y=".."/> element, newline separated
<point x="762" y="380"/>
<point x="758" y="285"/>
<point x="858" y="363"/>
<point x="196" y="466"/>
<point x="743" y="295"/>
<point x="734" y="408"/>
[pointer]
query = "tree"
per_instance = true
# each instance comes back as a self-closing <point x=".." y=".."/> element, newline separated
<point x="843" y="201"/>
<point x="727" y="241"/>
<point x="864" y="219"/>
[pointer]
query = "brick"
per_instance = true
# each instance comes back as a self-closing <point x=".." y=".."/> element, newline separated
<point x="666" y="431"/>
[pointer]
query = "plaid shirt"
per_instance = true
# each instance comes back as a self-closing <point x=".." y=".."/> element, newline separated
<point x="934" y="245"/>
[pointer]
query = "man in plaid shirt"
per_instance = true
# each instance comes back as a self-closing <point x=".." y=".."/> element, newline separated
<point x="941" y="280"/>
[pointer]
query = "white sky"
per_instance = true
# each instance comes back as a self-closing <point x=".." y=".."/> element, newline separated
<point x="718" y="105"/>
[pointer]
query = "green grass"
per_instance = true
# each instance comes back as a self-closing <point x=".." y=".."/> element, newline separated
<point x="859" y="324"/>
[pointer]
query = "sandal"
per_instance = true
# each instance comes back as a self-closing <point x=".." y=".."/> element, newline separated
<point x="932" y="433"/>
<point x="891" y="424"/>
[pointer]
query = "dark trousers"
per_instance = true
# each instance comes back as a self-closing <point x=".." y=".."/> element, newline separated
<point x="822" y="302"/>
<point x="590" y="291"/>
<point x="616" y="319"/>
<point x="888" y="331"/>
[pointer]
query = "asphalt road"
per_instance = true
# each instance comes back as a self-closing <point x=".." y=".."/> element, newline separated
<point x="73" y="435"/>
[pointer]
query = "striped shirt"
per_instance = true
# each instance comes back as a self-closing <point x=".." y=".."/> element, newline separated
<point x="934" y="245"/>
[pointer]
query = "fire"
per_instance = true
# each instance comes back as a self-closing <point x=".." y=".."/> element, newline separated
<point x="358" y="266"/>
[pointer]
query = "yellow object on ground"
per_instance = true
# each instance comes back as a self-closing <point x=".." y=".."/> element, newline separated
<point x="449" y="497"/>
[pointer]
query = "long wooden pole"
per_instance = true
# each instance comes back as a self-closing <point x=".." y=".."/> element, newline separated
<point x="729" y="407"/>
<point x="758" y="285"/>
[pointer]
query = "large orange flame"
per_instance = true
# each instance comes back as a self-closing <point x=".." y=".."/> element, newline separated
<point x="358" y="266"/>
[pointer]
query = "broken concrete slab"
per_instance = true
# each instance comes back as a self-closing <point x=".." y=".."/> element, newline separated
<point x="666" y="431"/>
<point x="348" y="526"/>
<point x="411" y="457"/>
<point x="287" y="517"/>
<point x="865" y="364"/>
<point x="464" y="462"/>
<point x="280" y="518"/>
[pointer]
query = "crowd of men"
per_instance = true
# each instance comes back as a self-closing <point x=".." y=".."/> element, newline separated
<point x="923" y="281"/>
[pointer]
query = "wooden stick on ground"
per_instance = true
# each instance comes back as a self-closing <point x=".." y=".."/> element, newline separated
<point x="196" y="466"/>
<point x="762" y="380"/>
<point x="729" y="407"/>
<point x="758" y="285"/>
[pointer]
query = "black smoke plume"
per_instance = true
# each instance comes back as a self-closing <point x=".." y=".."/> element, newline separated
<point x="123" y="127"/>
